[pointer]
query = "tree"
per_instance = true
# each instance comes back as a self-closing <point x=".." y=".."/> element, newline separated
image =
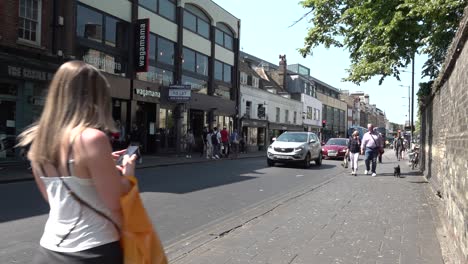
<point x="383" y="36"/>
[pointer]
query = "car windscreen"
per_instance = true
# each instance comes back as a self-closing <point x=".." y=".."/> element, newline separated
<point x="339" y="142"/>
<point x="292" y="137"/>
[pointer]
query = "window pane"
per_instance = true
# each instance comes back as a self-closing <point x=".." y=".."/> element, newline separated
<point x="150" y="4"/>
<point x="227" y="73"/>
<point x="166" y="77"/>
<point x="203" y="28"/>
<point x="189" y="60"/>
<point x="165" y="51"/>
<point x="219" y="38"/>
<point x="111" y="26"/>
<point x="167" y="9"/>
<point x="228" y="41"/>
<point x="197" y="85"/>
<point x="202" y="64"/>
<point x="218" y="70"/>
<point x="20" y="33"/>
<point x="88" y="24"/>
<point x="190" y="21"/>
<point x="104" y="61"/>
<point x="33" y="36"/>
<point x="22" y="9"/>
<point x="152" y="47"/>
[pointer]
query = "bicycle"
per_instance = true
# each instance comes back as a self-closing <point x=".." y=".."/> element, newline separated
<point x="414" y="158"/>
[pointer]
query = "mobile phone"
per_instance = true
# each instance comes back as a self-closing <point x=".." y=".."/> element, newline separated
<point x="130" y="151"/>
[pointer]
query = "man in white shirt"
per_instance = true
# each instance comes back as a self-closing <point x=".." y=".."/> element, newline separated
<point x="371" y="146"/>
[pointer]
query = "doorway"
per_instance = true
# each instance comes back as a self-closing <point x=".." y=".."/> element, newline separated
<point x="7" y="129"/>
<point x="197" y="122"/>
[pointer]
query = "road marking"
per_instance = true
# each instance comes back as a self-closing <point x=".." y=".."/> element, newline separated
<point x="299" y="175"/>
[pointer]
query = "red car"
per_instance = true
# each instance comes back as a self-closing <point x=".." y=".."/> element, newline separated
<point x="335" y="148"/>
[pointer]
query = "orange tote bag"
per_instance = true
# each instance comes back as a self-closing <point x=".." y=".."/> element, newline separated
<point x="140" y="242"/>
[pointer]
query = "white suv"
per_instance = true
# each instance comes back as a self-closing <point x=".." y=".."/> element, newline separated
<point x="295" y="147"/>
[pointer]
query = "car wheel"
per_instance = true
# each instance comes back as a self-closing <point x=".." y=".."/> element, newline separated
<point x="270" y="163"/>
<point x="307" y="161"/>
<point x="318" y="161"/>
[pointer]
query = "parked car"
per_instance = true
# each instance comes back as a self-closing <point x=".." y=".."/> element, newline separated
<point x="335" y="148"/>
<point x="295" y="147"/>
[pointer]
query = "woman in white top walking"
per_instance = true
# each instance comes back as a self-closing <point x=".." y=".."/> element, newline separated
<point x="75" y="169"/>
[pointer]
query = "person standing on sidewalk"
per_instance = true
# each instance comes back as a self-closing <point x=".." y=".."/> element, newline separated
<point x="370" y="147"/>
<point x="72" y="162"/>
<point x="189" y="141"/>
<point x="354" y="147"/>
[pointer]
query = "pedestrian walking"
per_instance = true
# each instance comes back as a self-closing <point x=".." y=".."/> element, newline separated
<point x="209" y="145"/>
<point x="370" y="147"/>
<point x="354" y="147"/>
<point x="215" y="140"/>
<point x="189" y="140"/>
<point x="225" y="141"/>
<point x="73" y="165"/>
<point x="398" y="147"/>
<point x="203" y="141"/>
<point x="235" y="143"/>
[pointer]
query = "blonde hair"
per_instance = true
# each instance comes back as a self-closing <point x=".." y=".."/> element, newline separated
<point x="355" y="133"/>
<point x="78" y="98"/>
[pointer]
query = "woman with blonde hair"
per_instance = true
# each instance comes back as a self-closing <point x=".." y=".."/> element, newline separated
<point x="76" y="171"/>
<point x="354" y="147"/>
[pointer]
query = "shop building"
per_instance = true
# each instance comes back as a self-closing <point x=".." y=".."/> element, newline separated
<point x="27" y="63"/>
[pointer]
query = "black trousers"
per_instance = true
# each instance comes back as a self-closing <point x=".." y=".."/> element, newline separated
<point x="108" y="253"/>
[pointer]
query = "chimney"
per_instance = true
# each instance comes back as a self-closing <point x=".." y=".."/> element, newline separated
<point x="282" y="71"/>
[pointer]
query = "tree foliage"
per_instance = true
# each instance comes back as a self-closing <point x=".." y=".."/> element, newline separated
<point x="382" y="36"/>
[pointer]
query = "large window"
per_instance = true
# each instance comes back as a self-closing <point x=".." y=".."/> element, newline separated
<point x="157" y="75"/>
<point x="195" y="62"/>
<point x="277" y="114"/>
<point x="243" y="78"/>
<point x="165" y="8"/>
<point x="103" y="61"/>
<point x="165" y="51"/>
<point x="29" y="22"/>
<point x="197" y="21"/>
<point x="224" y="36"/>
<point x="286" y="116"/>
<point x="197" y="85"/>
<point x="223" y="72"/>
<point x="91" y="25"/>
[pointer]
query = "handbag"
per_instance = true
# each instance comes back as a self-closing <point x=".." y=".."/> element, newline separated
<point x="381" y="150"/>
<point x="140" y="242"/>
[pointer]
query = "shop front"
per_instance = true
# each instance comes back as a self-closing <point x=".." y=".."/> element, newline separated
<point x="145" y="116"/>
<point x="276" y="129"/>
<point x="254" y="133"/>
<point x="23" y="89"/>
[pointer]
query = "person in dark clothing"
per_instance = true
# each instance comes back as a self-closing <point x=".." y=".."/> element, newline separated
<point x="204" y="145"/>
<point x="354" y="147"/>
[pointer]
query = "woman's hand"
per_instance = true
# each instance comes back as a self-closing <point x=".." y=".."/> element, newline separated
<point x="116" y="154"/>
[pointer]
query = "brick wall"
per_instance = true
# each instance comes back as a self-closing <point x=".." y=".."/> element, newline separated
<point x="9" y="10"/>
<point x="445" y="142"/>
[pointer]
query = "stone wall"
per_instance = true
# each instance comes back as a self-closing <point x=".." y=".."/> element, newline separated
<point x="444" y="138"/>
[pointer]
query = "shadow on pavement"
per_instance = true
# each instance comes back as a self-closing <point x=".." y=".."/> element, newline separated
<point x="188" y="178"/>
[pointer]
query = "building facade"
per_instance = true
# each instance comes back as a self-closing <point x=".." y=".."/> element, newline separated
<point x="142" y="47"/>
<point x="28" y="60"/>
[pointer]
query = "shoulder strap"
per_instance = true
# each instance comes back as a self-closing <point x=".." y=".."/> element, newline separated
<point x="81" y="201"/>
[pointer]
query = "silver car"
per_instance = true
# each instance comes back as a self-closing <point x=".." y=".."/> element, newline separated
<point x="295" y="147"/>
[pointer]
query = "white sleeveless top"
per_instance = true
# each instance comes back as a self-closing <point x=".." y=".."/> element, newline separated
<point x="91" y="229"/>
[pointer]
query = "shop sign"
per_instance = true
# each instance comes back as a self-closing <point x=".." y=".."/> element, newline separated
<point x="180" y="93"/>
<point x="142" y="40"/>
<point x="104" y="63"/>
<point x="27" y="73"/>
<point x="149" y="93"/>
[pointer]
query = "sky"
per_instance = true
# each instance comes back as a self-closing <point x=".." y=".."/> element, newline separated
<point x="266" y="33"/>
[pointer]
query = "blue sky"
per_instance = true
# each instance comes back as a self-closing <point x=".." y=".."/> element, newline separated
<point x="266" y="33"/>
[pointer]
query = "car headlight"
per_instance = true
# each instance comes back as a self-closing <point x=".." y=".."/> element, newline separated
<point x="299" y="149"/>
<point x="344" y="150"/>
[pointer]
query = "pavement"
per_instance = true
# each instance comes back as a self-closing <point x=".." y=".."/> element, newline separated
<point x="349" y="219"/>
<point x="16" y="172"/>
